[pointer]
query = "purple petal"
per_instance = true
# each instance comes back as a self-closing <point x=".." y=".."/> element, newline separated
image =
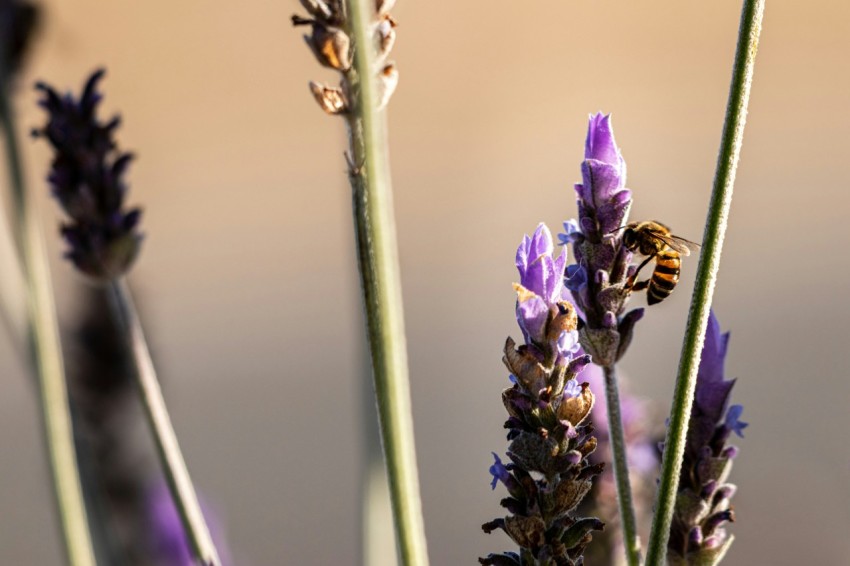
<point x="531" y="314"/>
<point x="600" y="142"/>
<point x="499" y="472"/>
<point x="522" y="254"/>
<point x="568" y="343"/>
<point x="712" y="391"/>
<point x="570" y="234"/>
<point x="733" y="421"/>
<point x="576" y="277"/>
<point x="541" y="242"/>
<point x="572" y="389"/>
<point x="603" y="179"/>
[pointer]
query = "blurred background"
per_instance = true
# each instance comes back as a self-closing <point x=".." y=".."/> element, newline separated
<point x="248" y="284"/>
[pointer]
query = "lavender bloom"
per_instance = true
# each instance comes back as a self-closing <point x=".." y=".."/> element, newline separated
<point x="548" y="433"/>
<point x="697" y="536"/>
<point x="598" y="278"/>
<point x="18" y="21"/>
<point x="86" y="177"/>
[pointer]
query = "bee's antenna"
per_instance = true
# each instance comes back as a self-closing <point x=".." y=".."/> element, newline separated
<point x="615" y="230"/>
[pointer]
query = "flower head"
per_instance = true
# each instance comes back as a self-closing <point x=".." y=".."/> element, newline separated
<point x="598" y="279"/>
<point x="540" y="292"/>
<point x="703" y="504"/>
<point x="548" y="408"/>
<point x="87" y="178"/>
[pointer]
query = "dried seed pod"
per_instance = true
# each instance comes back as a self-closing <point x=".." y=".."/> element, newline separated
<point x="330" y="99"/>
<point x="318" y="9"/>
<point x="385" y="35"/>
<point x="388" y="79"/>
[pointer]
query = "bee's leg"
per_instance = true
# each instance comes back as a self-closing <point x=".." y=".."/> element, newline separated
<point x="632" y="284"/>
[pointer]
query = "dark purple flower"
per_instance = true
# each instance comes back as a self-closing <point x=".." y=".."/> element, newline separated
<point x="87" y="178"/>
<point x="598" y="279"/>
<point x="703" y="503"/>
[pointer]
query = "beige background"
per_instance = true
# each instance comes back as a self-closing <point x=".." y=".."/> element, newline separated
<point x="248" y="278"/>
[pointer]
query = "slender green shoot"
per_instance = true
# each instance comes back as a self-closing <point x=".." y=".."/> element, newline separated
<point x="709" y="263"/>
<point x="381" y="284"/>
<point x="171" y="458"/>
<point x="46" y="351"/>
<point x="617" y="436"/>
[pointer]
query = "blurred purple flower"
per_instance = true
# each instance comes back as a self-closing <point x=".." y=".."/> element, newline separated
<point x="86" y="177"/>
<point x="168" y="539"/>
<point x="642" y="436"/>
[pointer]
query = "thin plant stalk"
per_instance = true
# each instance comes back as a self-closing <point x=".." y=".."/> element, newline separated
<point x="709" y="263"/>
<point x="381" y="284"/>
<point x="617" y="437"/>
<point x="174" y="467"/>
<point x="46" y="352"/>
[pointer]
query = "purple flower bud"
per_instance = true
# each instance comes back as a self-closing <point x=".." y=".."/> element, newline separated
<point x="603" y="179"/>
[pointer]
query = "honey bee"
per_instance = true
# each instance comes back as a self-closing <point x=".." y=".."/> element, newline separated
<point x="654" y="240"/>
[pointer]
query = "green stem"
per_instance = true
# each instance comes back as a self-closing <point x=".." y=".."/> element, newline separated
<point x="171" y="458"/>
<point x="46" y="352"/>
<point x="617" y="436"/>
<point x="715" y="229"/>
<point x="381" y="284"/>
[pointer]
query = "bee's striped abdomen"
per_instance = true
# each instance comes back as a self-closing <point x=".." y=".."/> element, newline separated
<point x="665" y="276"/>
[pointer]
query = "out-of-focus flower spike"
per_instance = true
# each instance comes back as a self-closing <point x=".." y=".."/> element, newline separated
<point x="87" y="178"/>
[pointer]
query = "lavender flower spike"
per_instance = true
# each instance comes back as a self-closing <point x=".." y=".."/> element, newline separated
<point x="697" y="536"/>
<point x="86" y="177"/>
<point x="598" y="278"/>
<point x="547" y="409"/>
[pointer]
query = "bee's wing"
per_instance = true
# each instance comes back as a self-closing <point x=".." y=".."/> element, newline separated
<point x="678" y="244"/>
